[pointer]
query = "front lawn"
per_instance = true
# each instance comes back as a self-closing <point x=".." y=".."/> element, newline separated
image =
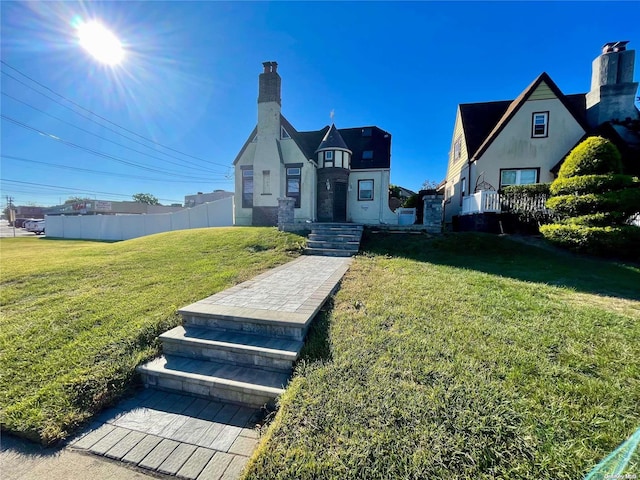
<point x="463" y="357"/>
<point x="76" y="317"/>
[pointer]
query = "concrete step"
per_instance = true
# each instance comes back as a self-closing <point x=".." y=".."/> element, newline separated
<point x="237" y="348"/>
<point x="330" y="252"/>
<point x="334" y="238"/>
<point x="240" y="320"/>
<point x="352" y="246"/>
<point x="214" y="380"/>
<point x="337" y="225"/>
<point x="336" y="231"/>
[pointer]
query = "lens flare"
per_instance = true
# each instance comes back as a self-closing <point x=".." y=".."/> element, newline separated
<point x="100" y="42"/>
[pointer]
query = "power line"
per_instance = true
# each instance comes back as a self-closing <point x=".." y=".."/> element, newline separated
<point x="97" y="115"/>
<point x="100" y="172"/>
<point x="96" y="152"/>
<point x="107" y="139"/>
<point x="90" y="192"/>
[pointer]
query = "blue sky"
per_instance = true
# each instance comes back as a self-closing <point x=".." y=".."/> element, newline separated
<point x="170" y="119"/>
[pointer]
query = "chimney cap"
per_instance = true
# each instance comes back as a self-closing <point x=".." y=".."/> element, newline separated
<point x="620" y="46"/>
<point x="270" y="67"/>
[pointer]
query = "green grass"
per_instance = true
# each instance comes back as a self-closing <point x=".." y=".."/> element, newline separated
<point x="77" y="316"/>
<point x="463" y="357"/>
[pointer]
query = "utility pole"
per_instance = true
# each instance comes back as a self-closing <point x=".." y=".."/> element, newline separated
<point x="12" y="213"/>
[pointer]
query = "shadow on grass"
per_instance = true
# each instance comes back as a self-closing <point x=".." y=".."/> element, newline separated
<point x="60" y="239"/>
<point x="500" y="255"/>
<point x="317" y="347"/>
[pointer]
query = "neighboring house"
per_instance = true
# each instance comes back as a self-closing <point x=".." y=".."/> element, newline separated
<point x="200" y="198"/>
<point x="334" y="175"/>
<point x="523" y="141"/>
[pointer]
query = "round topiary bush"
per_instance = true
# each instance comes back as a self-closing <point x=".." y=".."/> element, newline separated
<point x="594" y="156"/>
<point x="594" y="201"/>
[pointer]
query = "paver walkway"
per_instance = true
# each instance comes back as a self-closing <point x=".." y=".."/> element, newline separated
<point x="175" y="435"/>
<point x="198" y="438"/>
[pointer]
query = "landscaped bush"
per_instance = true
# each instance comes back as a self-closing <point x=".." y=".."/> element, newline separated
<point x="623" y="241"/>
<point x="592" y="184"/>
<point x="594" y="156"/>
<point x="524" y="206"/>
<point x="626" y="202"/>
<point x="594" y="201"/>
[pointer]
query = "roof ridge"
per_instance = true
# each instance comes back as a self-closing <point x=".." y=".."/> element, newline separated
<point x="517" y="103"/>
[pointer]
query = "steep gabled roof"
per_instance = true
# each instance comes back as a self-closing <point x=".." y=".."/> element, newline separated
<point x="478" y="119"/>
<point x="254" y="132"/>
<point x="376" y="140"/>
<point x="572" y="105"/>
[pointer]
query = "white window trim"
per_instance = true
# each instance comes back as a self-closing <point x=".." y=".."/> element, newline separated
<point x="545" y="116"/>
<point x="360" y="190"/>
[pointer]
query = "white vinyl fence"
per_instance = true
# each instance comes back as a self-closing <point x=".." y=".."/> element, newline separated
<point x="124" y="227"/>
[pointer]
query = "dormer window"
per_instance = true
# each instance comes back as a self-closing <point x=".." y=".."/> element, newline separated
<point x="367" y="154"/>
<point x="540" y="125"/>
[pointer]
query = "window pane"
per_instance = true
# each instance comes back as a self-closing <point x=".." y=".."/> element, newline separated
<point x="508" y="177"/>
<point x="367" y="154"/>
<point x="293" y="171"/>
<point x="365" y="190"/>
<point x="293" y="185"/>
<point x="247" y="173"/>
<point x="527" y="176"/>
<point x="328" y="155"/>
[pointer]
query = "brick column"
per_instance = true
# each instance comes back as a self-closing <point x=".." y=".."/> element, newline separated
<point x="285" y="212"/>
<point x="432" y="216"/>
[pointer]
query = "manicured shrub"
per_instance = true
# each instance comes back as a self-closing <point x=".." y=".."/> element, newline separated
<point x="592" y="184"/>
<point x="593" y="201"/>
<point x="621" y="241"/>
<point x="594" y="156"/>
<point x="626" y="202"/>
<point x="528" y="190"/>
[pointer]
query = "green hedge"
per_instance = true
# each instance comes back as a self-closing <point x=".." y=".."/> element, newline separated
<point x="626" y="202"/>
<point x="597" y="219"/>
<point x="621" y="241"/>
<point x="592" y="184"/>
<point x="528" y="190"/>
<point x="594" y="156"/>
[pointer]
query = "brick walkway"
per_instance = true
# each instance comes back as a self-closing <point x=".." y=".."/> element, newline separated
<point x="175" y="435"/>
<point x="198" y="438"/>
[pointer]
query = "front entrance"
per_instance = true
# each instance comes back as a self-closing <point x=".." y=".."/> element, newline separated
<point x="340" y="202"/>
<point x="332" y="194"/>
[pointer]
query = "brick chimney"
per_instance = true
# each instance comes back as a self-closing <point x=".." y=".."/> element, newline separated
<point x="269" y="84"/>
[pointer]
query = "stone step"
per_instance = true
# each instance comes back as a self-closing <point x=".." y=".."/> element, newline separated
<point x="250" y="387"/>
<point x="352" y="246"/>
<point x="337" y="225"/>
<point x="334" y="238"/>
<point x="245" y="320"/>
<point x="243" y="349"/>
<point x="330" y="252"/>
<point x="336" y="231"/>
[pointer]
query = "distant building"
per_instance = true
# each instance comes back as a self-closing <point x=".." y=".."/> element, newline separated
<point x="29" y="212"/>
<point x="333" y="175"/>
<point x="107" y="207"/>
<point x="200" y="198"/>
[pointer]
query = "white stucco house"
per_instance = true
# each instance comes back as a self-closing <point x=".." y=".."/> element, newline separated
<point x="524" y="141"/>
<point x="334" y="175"/>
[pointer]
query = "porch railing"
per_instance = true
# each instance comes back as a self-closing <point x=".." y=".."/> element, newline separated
<point x="481" y="202"/>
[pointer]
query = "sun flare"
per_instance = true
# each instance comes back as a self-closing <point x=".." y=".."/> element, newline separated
<point x="100" y="42"/>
